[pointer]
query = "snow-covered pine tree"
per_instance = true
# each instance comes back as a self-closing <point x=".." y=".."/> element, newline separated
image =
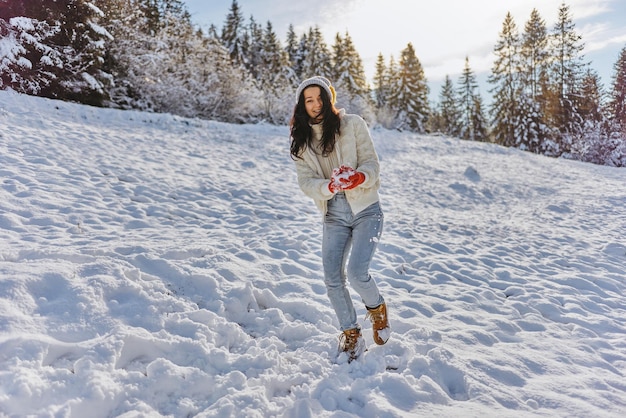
<point x="174" y="85"/>
<point x="617" y="102"/>
<point x="299" y="56"/>
<point x="228" y="92"/>
<point x="392" y="75"/>
<point x="591" y="144"/>
<point x="86" y="81"/>
<point x="232" y="33"/>
<point x="275" y="78"/>
<point x="337" y="57"/>
<point x="251" y="44"/>
<point x="349" y="77"/>
<point x="479" y="120"/>
<point x="315" y="55"/>
<point x="383" y="80"/>
<point x="58" y="49"/>
<point x="532" y="128"/>
<point x="504" y="77"/>
<point x="23" y="42"/>
<point x="142" y="56"/>
<point x="449" y="114"/>
<point x="534" y="54"/>
<point x="409" y="93"/>
<point x="132" y="30"/>
<point x="473" y="125"/>
<point x="617" y="114"/>
<point x="173" y="8"/>
<point x="591" y="98"/>
<point x="292" y="48"/>
<point x="566" y="74"/>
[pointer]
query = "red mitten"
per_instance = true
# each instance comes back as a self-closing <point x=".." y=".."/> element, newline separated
<point x="342" y="175"/>
<point x="354" y="180"/>
<point x="340" y="178"/>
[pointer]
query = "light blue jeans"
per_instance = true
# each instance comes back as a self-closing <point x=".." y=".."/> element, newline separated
<point x="350" y="240"/>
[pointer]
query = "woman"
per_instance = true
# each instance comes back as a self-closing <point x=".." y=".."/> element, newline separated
<point x="338" y="168"/>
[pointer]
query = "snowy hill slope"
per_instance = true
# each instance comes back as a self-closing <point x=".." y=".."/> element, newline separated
<point x="157" y="266"/>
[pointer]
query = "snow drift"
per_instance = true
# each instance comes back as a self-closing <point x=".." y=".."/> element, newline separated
<point x="152" y="265"/>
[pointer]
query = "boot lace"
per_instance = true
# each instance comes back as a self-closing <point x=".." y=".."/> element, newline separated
<point x="377" y="317"/>
<point x="349" y="339"/>
<point x="349" y="343"/>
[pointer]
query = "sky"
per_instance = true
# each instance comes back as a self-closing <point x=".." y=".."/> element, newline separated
<point x="158" y="266"/>
<point x="442" y="32"/>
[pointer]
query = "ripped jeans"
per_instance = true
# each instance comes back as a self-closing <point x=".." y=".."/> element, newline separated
<point x="350" y="241"/>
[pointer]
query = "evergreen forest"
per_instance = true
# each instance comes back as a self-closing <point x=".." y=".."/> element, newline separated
<point x="148" y="55"/>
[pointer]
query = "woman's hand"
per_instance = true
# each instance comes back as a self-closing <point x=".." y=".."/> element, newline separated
<point x="354" y="180"/>
<point x="345" y="178"/>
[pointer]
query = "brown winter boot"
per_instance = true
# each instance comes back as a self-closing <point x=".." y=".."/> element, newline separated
<point x="380" y="324"/>
<point x="352" y="343"/>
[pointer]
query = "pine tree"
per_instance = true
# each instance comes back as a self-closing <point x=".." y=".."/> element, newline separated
<point x="337" y="57"/>
<point x="504" y="76"/>
<point x="175" y="8"/>
<point x="58" y="49"/>
<point x="27" y="62"/>
<point x="349" y="76"/>
<point x="392" y="75"/>
<point x="534" y="61"/>
<point x="472" y="122"/>
<point x="448" y="111"/>
<point x="275" y="77"/>
<point x="132" y="33"/>
<point x="348" y="67"/>
<point x="616" y="144"/>
<point x="534" y="54"/>
<point x="252" y="41"/>
<point x="291" y="48"/>
<point x="316" y="58"/>
<point x="228" y="93"/>
<point x="149" y="10"/>
<point x="617" y="103"/>
<point x="84" y="79"/>
<point x="409" y="92"/>
<point x="131" y="57"/>
<point x="381" y="82"/>
<point x="591" y="98"/>
<point x="566" y="73"/>
<point x="232" y="33"/>
<point x="385" y="79"/>
<point x="298" y="58"/>
<point x="169" y="63"/>
<point x="212" y="32"/>
<point x="590" y="144"/>
<point x="480" y="122"/>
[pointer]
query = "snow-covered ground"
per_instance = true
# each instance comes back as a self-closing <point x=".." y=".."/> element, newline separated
<point x="152" y="265"/>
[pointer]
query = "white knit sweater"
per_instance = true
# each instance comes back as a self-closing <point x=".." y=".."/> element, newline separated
<point x="354" y="148"/>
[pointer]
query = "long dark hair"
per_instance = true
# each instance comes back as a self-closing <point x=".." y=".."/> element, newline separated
<point x="301" y="130"/>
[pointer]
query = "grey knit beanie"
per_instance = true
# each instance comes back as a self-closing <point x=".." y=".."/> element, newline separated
<point x="323" y="82"/>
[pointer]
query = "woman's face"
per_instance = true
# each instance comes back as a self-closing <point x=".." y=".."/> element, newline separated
<point x="313" y="103"/>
